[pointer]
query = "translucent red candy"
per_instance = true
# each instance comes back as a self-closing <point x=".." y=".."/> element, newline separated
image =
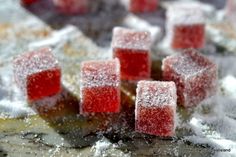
<point x="185" y="26"/>
<point x="100" y="86"/>
<point x="72" y="6"/>
<point x="38" y="74"/>
<point x="139" y="6"/>
<point x="155" y="109"/>
<point x="192" y="36"/>
<point x="28" y="2"/>
<point x="132" y="48"/>
<point x="194" y="75"/>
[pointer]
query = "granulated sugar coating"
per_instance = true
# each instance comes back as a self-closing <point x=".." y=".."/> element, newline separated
<point x="142" y="6"/>
<point x="194" y="74"/>
<point x="186" y="26"/>
<point x="36" y="71"/>
<point x="132" y="48"/>
<point x="155" y="108"/>
<point x="72" y="6"/>
<point x="125" y="38"/>
<point x="100" y="86"/>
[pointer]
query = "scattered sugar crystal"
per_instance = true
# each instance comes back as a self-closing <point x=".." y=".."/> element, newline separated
<point x="185" y="26"/>
<point x="72" y="6"/>
<point x="155" y="108"/>
<point x="132" y="48"/>
<point x="194" y="74"/>
<point x="100" y="86"/>
<point x="37" y="73"/>
<point x="141" y="6"/>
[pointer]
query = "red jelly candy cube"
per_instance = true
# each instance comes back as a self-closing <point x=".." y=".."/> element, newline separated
<point x="38" y="74"/>
<point x="139" y="6"/>
<point x="100" y="86"/>
<point x="185" y="27"/>
<point x="155" y="108"/>
<point x="132" y="48"/>
<point x="194" y="75"/>
<point x="72" y="6"/>
<point x="28" y="2"/>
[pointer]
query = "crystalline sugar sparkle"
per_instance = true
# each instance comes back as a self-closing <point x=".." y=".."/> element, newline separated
<point x="37" y="73"/>
<point x="194" y="75"/>
<point x="155" y="108"/>
<point x="132" y="48"/>
<point x="100" y="86"/>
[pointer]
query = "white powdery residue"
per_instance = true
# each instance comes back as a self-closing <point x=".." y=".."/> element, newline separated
<point x="56" y="38"/>
<point x="156" y="94"/>
<point x="102" y="147"/>
<point x="214" y="128"/>
<point x="125" y="38"/>
<point x="14" y="109"/>
<point x="100" y="73"/>
<point x="229" y="86"/>
<point x="209" y="10"/>
<point x="185" y="14"/>
<point x="12" y="101"/>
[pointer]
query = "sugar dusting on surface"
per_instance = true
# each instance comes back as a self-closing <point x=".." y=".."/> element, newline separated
<point x="104" y="147"/>
<point x="131" y="39"/>
<point x="100" y="73"/>
<point x="156" y="93"/>
<point x="216" y="127"/>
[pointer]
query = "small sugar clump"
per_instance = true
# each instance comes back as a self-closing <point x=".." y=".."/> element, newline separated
<point x="37" y="73"/>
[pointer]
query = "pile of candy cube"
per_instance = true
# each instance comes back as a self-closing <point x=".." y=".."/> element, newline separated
<point x="189" y="77"/>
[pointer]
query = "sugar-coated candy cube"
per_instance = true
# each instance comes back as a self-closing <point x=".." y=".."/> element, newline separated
<point x="37" y="73"/>
<point x="132" y="48"/>
<point x="185" y="26"/>
<point x="100" y="86"/>
<point x="72" y="6"/>
<point x="140" y="6"/>
<point x="155" y="108"/>
<point x="194" y="75"/>
<point x="28" y="2"/>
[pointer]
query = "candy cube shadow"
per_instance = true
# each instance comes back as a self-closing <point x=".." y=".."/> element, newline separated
<point x="2" y="152"/>
<point x="61" y="112"/>
<point x="97" y="24"/>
